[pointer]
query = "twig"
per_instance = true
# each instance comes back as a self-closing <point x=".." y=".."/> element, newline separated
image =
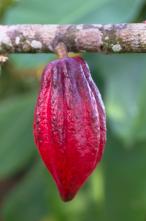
<point x="118" y="38"/>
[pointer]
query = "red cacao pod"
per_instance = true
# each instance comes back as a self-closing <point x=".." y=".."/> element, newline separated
<point x="69" y="123"/>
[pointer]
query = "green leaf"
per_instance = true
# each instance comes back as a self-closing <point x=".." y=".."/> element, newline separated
<point x="125" y="182"/>
<point x="112" y="11"/>
<point x="139" y="125"/>
<point x="73" y="11"/>
<point x="124" y="96"/>
<point x="29" y="61"/>
<point x="27" y="201"/>
<point x="17" y="146"/>
<point x="4" y="5"/>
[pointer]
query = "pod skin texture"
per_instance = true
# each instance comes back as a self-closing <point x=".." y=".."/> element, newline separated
<point x="69" y="123"/>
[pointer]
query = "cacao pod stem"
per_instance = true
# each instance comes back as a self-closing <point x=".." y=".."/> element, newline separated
<point x="61" y="50"/>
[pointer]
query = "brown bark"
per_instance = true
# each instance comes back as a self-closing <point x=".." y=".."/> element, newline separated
<point x="118" y="38"/>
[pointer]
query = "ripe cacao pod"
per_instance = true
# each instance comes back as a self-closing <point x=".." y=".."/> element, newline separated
<point x="69" y="123"/>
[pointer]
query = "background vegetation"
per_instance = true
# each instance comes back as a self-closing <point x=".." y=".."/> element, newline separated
<point x="117" y="189"/>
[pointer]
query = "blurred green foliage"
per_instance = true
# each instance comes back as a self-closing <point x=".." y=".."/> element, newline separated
<point x="117" y="189"/>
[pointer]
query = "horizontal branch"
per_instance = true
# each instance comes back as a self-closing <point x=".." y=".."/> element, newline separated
<point x="118" y="38"/>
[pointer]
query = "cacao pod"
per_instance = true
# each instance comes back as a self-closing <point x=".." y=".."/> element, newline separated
<point x="69" y="123"/>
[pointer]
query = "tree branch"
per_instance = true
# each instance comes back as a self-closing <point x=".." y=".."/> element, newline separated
<point x="118" y="38"/>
